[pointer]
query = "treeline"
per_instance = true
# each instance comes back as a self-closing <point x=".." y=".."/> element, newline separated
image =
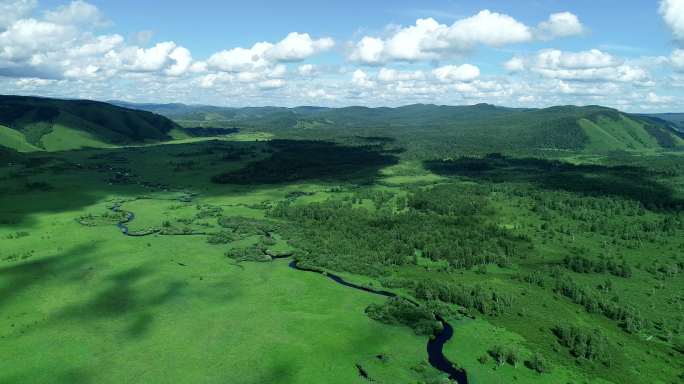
<point x="341" y="236"/>
<point x="397" y="311"/>
<point x="628" y="182"/>
<point x="589" y="345"/>
<point x="449" y="200"/>
<point x="593" y="302"/>
<point x="582" y="264"/>
<point x="477" y="298"/>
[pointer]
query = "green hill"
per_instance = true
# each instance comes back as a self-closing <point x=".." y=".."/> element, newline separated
<point x="32" y="123"/>
<point x="438" y="130"/>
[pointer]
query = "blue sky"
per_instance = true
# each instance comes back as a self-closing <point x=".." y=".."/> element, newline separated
<point x="624" y="54"/>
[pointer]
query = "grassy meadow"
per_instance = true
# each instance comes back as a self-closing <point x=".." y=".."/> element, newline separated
<point x="551" y="269"/>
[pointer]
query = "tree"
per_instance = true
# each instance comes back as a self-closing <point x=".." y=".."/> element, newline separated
<point x="538" y="363"/>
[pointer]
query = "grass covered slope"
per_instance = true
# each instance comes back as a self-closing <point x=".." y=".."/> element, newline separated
<point x="32" y="123"/>
<point x="548" y="271"/>
<point x="448" y="130"/>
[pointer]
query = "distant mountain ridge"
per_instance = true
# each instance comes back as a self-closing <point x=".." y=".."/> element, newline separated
<point x="587" y="128"/>
<point x="36" y="123"/>
<point x="32" y="123"/>
<point x="676" y="119"/>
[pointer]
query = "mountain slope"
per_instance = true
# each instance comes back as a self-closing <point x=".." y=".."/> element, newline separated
<point x="32" y="123"/>
<point x="675" y="119"/>
<point x="442" y="130"/>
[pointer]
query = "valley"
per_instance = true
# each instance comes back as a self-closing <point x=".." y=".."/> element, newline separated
<point x="553" y="250"/>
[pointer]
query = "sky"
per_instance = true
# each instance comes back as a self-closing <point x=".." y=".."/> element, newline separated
<point x="519" y="53"/>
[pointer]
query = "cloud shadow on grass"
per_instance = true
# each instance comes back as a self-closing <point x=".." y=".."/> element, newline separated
<point x="628" y="182"/>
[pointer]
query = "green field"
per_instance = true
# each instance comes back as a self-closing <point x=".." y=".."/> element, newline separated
<point x="552" y="267"/>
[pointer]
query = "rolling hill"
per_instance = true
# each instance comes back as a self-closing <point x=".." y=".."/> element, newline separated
<point x="675" y="119"/>
<point x="32" y="124"/>
<point x="440" y="129"/>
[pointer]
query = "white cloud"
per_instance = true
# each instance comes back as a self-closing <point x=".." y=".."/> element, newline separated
<point x="278" y="71"/>
<point x="369" y="50"/>
<point x="297" y="47"/>
<point x="263" y="55"/>
<point x="182" y="58"/>
<point x="557" y="59"/>
<point x="677" y="59"/>
<point x="13" y="10"/>
<point x="361" y="79"/>
<point x="592" y="65"/>
<point x="390" y="75"/>
<point x="319" y="94"/>
<point x="561" y="24"/>
<point x="515" y="64"/>
<point x="430" y="40"/>
<point x="97" y="46"/>
<point x="462" y="73"/>
<point x="489" y="28"/>
<point x="61" y="53"/>
<point x="306" y="69"/>
<point x="271" y="84"/>
<point x="62" y="45"/>
<point x="240" y="59"/>
<point x="142" y="38"/>
<point x="145" y="60"/>
<point x="77" y="12"/>
<point x="198" y="67"/>
<point x="672" y="12"/>
<point x="653" y="98"/>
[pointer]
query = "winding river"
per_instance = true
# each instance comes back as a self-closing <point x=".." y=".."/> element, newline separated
<point x="435" y="345"/>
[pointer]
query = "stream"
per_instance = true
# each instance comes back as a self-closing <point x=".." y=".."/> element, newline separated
<point x="435" y="344"/>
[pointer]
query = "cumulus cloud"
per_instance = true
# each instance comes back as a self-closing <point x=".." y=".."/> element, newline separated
<point x="271" y="84"/>
<point x="369" y="50"/>
<point x="61" y="52"/>
<point x="76" y="12"/>
<point x="592" y="65"/>
<point x="293" y="48"/>
<point x="452" y="73"/>
<point x="489" y="28"/>
<point x="557" y="59"/>
<point x="306" y="69"/>
<point x="362" y="79"/>
<point x="13" y="10"/>
<point x="390" y="75"/>
<point x="515" y="64"/>
<point x="430" y="40"/>
<point x="653" y="98"/>
<point x="561" y="24"/>
<point x="297" y="47"/>
<point x="672" y="12"/>
<point x="182" y="60"/>
<point x="63" y="45"/>
<point x="240" y="59"/>
<point x="677" y="59"/>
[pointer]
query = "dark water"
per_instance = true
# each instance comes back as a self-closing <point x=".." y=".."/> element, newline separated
<point x="130" y="216"/>
<point x="435" y="345"/>
<point x="437" y="358"/>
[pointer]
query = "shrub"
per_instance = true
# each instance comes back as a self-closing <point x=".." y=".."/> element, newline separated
<point x="538" y="363"/>
<point x="399" y="311"/>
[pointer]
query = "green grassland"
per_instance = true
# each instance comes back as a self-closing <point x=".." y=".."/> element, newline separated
<point x="559" y="266"/>
<point x="32" y="123"/>
<point x="83" y="303"/>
